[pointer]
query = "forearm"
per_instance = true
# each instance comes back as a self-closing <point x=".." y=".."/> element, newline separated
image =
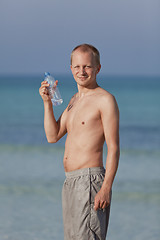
<point x="111" y="168"/>
<point x="50" y="123"/>
<point x="103" y="197"/>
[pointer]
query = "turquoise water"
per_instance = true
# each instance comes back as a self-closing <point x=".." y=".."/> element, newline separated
<point x="31" y="172"/>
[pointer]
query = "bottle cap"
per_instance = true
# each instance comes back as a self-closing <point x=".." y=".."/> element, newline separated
<point x="47" y="74"/>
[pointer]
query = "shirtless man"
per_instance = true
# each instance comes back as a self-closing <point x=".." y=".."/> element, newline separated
<point x="91" y="118"/>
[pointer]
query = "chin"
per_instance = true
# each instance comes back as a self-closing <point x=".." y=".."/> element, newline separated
<point x="83" y="84"/>
<point x="83" y="80"/>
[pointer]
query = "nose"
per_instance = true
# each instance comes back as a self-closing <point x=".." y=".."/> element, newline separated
<point x="82" y="70"/>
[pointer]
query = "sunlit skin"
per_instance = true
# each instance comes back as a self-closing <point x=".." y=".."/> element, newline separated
<point x="91" y="118"/>
<point x="84" y="70"/>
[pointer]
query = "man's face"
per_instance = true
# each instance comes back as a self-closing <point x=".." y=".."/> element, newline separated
<point x="84" y="68"/>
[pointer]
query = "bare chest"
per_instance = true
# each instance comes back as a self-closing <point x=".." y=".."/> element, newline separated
<point x="83" y="114"/>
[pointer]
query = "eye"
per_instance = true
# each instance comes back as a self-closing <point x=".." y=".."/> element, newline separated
<point x="88" y="66"/>
<point x="76" y="67"/>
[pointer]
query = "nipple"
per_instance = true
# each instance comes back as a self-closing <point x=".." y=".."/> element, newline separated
<point x="83" y="123"/>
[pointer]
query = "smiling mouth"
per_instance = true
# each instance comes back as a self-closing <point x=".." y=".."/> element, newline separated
<point x="83" y="77"/>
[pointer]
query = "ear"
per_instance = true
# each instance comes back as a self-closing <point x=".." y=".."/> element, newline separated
<point x="71" y="68"/>
<point x="98" y="68"/>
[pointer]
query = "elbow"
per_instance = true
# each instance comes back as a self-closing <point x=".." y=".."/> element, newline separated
<point x="115" y="150"/>
<point x="118" y="153"/>
<point x="52" y="140"/>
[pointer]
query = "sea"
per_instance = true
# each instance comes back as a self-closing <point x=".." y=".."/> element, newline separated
<point x="31" y="169"/>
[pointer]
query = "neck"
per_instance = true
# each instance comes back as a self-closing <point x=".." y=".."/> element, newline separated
<point x="82" y="91"/>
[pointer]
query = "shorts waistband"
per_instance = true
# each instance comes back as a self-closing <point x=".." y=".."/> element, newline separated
<point x="85" y="171"/>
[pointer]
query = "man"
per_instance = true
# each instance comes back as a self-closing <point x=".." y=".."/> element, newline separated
<point x="91" y="118"/>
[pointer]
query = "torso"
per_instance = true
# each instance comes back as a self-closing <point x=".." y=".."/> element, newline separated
<point x="85" y="136"/>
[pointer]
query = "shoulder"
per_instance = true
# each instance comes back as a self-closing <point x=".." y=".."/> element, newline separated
<point x="105" y="97"/>
<point x="106" y="101"/>
<point x="71" y="100"/>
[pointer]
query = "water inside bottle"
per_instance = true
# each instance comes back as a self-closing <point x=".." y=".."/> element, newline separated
<point x="57" y="102"/>
<point x="55" y="96"/>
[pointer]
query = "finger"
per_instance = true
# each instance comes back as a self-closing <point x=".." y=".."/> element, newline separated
<point x="45" y="85"/>
<point x="42" y="88"/>
<point x="43" y="82"/>
<point x="96" y="205"/>
<point x="55" y="83"/>
<point x="104" y="205"/>
<point x="101" y="204"/>
<point x="45" y="97"/>
<point x="43" y="91"/>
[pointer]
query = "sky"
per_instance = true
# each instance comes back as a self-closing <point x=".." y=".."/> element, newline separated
<point x="39" y="35"/>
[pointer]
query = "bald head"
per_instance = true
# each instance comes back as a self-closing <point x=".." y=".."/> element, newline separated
<point x="87" y="48"/>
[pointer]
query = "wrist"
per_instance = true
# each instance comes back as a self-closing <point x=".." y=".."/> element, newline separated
<point x="107" y="187"/>
<point x="47" y="102"/>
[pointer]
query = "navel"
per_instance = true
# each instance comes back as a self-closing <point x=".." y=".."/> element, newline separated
<point x="83" y="123"/>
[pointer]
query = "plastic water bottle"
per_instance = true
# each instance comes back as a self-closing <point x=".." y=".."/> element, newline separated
<point x="53" y="91"/>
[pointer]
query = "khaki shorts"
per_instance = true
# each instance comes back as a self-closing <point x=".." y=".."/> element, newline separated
<point x="81" y="221"/>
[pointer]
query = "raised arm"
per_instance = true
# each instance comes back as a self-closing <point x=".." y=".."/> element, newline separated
<point x="110" y="121"/>
<point x="54" y="129"/>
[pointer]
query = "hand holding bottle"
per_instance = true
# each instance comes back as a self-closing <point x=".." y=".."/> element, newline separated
<point x="44" y="91"/>
<point x="49" y="90"/>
